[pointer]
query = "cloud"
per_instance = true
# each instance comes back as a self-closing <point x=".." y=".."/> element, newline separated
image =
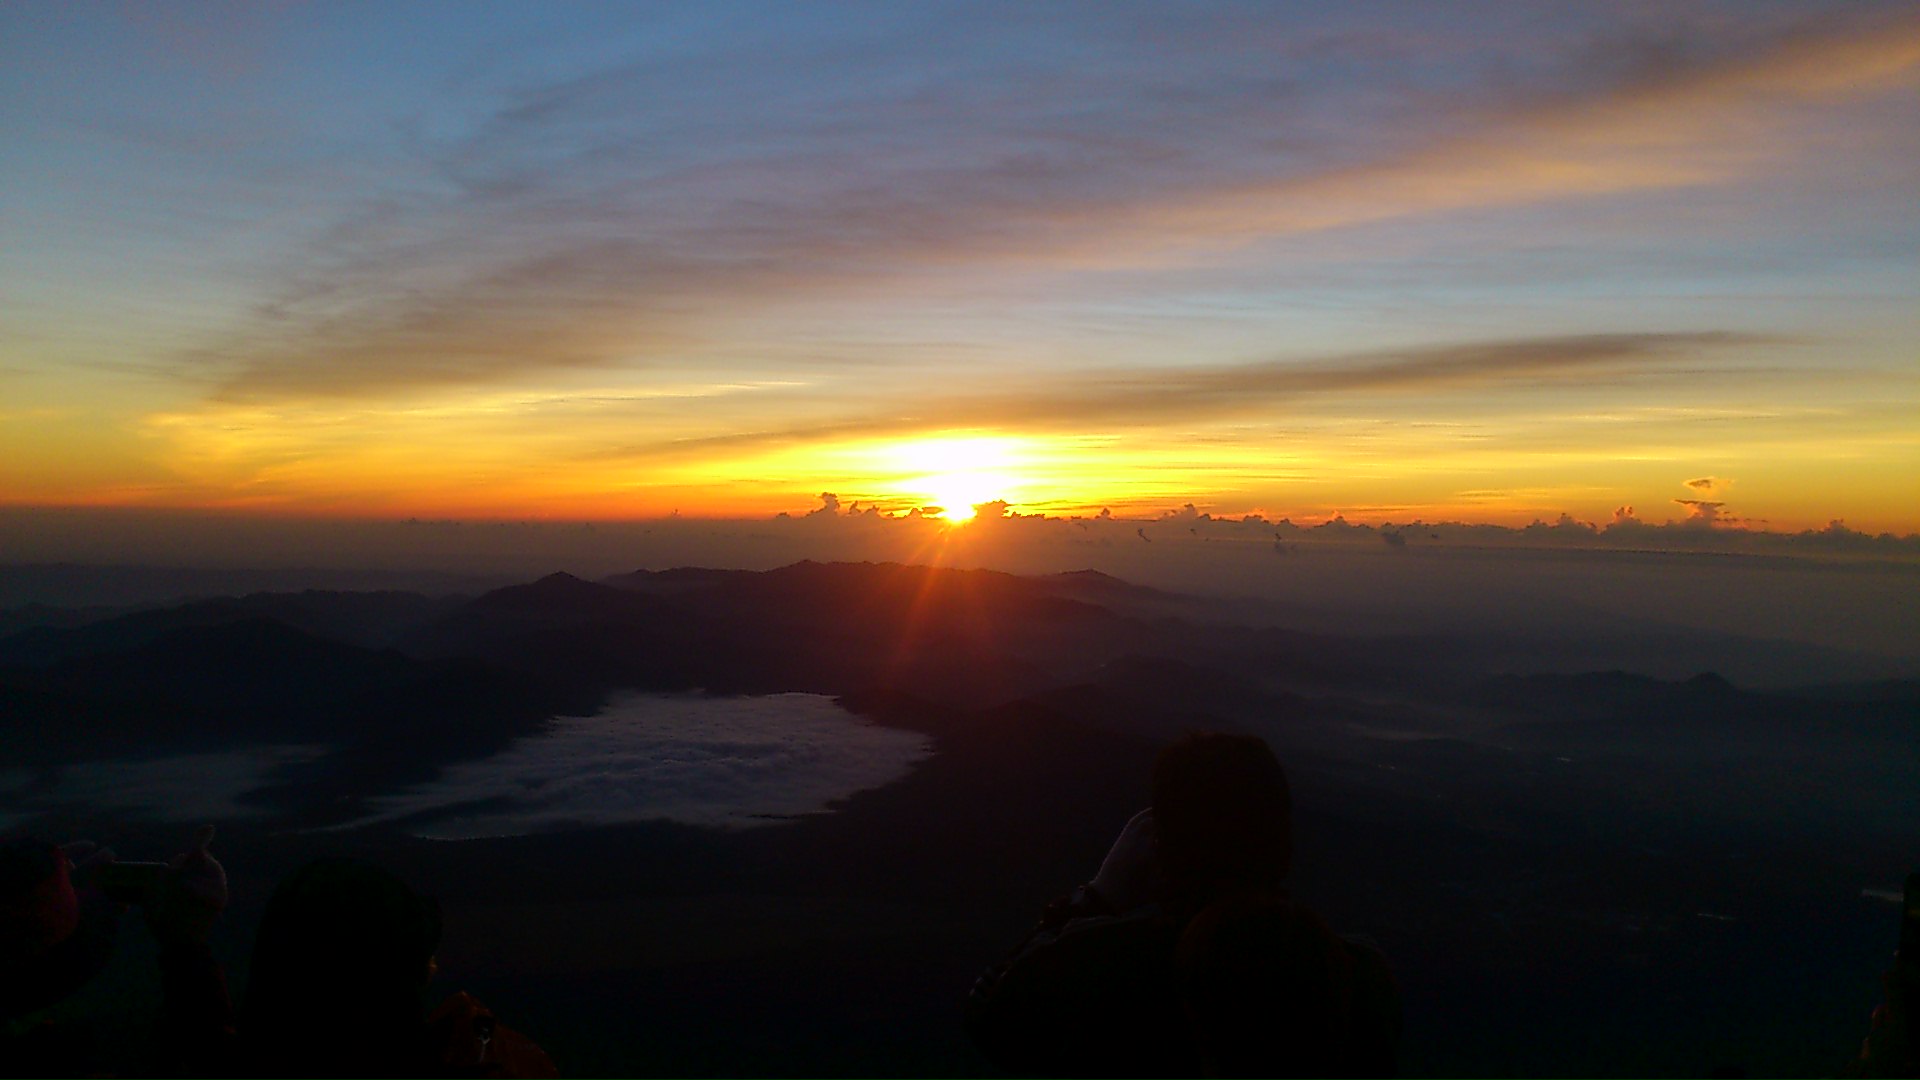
<point x="636" y="214"/>
<point x="1701" y="512"/>
<point x="1705" y="513"/>
<point x="1693" y="120"/>
<point x="720" y="762"/>
<point x="1005" y="536"/>
<point x="1099" y="400"/>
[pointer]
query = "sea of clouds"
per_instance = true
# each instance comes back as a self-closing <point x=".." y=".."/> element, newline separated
<point x="725" y="762"/>
<point x="722" y="762"/>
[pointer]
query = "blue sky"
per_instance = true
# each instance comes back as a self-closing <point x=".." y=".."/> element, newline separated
<point x="372" y="259"/>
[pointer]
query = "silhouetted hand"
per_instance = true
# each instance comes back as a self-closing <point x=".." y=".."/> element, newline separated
<point x="1889" y="1050"/>
<point x="191" y="897"/>
<point x="1130" y="875"/>
<point x="84" y="857"/>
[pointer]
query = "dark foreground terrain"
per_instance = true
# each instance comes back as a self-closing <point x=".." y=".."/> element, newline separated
<point x="1573" y="874"/>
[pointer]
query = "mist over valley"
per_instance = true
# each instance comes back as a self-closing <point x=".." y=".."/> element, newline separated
<point x="713" y="792"/>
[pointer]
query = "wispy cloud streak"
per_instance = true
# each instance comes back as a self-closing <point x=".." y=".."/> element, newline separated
<point x="564" y="234"/>
<point x="1122" y="399"/>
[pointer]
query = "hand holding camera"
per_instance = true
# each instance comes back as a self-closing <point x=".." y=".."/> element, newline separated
<point x="1129" y="877"/>
<point x="182" y="897"/>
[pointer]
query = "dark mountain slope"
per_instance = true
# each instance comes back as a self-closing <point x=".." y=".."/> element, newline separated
<point x="258" y="681"/>
<point x="369" y="619"/>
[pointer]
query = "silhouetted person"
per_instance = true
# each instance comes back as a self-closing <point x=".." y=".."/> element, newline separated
<point x="1892" y="1046"/>
<point x="1183" y="956"/>
<point x="1269" y="990"/>
<point x="57" y="930"/>
<point x="52" y="942"/>
<point x="338" y="986"/>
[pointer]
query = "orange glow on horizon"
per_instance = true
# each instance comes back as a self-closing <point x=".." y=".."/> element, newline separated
<point x="373" y="464"/>
<point x="586" y="511"/>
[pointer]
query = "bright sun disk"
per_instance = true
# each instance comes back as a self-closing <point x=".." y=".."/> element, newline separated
<point x="959" y="474"/>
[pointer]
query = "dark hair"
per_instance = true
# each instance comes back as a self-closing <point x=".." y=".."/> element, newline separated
<point x="1267" y="989"/>
<point x="1222" y="813"/>
<point x="26" y="862"/>
<point x="339" y="969"/>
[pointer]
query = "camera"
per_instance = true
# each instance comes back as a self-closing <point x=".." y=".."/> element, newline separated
<point x="1910" y="924"/>
<point x="131" y="882"/>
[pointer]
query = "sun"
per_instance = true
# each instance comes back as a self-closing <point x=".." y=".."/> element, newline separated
<point x="957" y="474"/>
<point x="958" y="493"/>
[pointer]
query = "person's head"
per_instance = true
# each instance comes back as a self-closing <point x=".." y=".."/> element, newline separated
<point x="345" y="949"/>
<point x="1267" y="989"/>
<point x="52" y="940"/>
<point x="1222" y="814"/>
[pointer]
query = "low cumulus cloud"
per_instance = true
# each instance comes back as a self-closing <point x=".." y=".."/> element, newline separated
<point x="1701" y="512"/>
<point x="1031" y="538"/>
<point x="429" y="555"/>
<point x="1704" y="512"/>
<point x="718" y="762"/>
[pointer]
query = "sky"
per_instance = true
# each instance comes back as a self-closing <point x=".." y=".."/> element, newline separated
<point x="1476" y="262"/>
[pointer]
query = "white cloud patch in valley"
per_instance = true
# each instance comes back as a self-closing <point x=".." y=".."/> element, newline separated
<point x="723" y="762"/>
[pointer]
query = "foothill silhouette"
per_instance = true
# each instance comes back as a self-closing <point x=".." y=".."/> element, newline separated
<point x="1437" y="794"/>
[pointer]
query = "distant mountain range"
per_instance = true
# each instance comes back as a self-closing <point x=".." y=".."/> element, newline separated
<point x="402" y="683"/>
<point x="1487" y="813"/>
